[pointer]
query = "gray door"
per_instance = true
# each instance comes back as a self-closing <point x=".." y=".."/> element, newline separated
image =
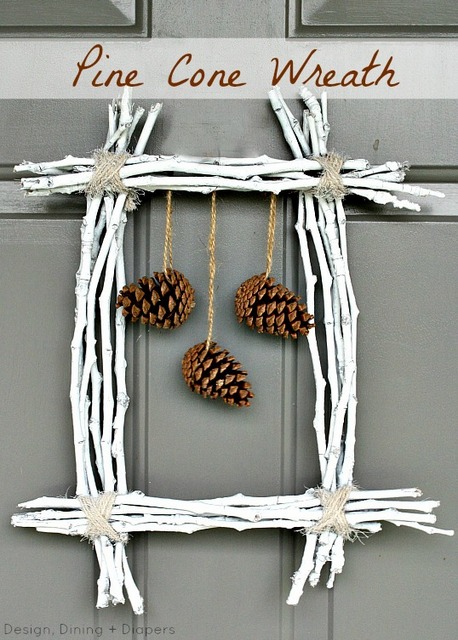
<point x="222" y="585"/>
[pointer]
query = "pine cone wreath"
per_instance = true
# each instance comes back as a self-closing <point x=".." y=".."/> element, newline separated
<point x="214" y="373"/>
<point x="271" y="308"/>
<point x="165" y="300"/>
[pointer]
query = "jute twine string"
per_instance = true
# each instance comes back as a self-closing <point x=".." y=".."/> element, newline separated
<point x="330" y="186"/>
<point x="333" y="518"/>
<point x="167" y="262"/>
<point x="98" y="511"/>
<point x="211" y="268"/>
<point x="106" y="180"/>
<point x="271" y="232"/>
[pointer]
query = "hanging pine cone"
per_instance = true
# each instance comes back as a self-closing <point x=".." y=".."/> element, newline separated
<point x="216" y="374"/>
<point x="165" y="300"/>
<point x="271" y="308"/>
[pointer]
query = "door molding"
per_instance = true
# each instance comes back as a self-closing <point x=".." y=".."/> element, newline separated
<point x="85" y="18"/>
<point x="341" y="19"/>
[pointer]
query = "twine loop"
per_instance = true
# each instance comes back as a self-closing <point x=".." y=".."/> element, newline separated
<point x="211" y="269"/>
<point x="333" y="518"/>
<point x="271" y="232"/>
<point x="106" y="179"/>
<point x="330" y="186"/>
<point x="167" y="261"/>
<point x="97" y="510"/>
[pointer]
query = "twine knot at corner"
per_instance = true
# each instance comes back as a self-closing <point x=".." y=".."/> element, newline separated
<point x="330" y="186"/>
<point x="333" y="518"/>
<point x="106" y="179"/>
<point x="97" y="510"/>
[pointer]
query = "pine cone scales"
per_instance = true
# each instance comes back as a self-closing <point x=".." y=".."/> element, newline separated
<point x="165" y="300"/>
<point x="271" y="308"/>
<point x="216" y="374"/>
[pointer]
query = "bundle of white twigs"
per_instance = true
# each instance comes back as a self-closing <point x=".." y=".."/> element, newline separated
<point x="96" y="415"/>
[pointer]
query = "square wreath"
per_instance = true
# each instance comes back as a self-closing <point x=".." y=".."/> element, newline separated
<point x="104" y="510"/>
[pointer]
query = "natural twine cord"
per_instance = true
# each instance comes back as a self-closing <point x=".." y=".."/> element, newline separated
<point x="167" y="262"/>
<point x="98" y="511"/>
<point x="105" y="178"/>
<point x="330" y="186"/>
<point x="271" y="232"/>
<point x="333" y="518"/>
<point x="211" y="268"/>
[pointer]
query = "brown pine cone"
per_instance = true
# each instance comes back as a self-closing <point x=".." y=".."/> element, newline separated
<point x="216" y="374"/>
<point x="271" y="308"/>
<point x="165" y="300"/>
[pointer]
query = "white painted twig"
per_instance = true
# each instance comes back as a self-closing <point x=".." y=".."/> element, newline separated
<point x="324" y="111"/>
<point x="315" y="113"/>
<point x="279" y="110"/>
<point x="85" y="482"/>
<point x="320" y="382"/>
<point x="346" y="473"/>
<point x="105" y="305"/>
<point x="364" y="498"/>
<point x="277" y="99"/>
<point x="122" y="399"/>
<point x="185" y="164"/>
<point x="147" y="128"/>
<point x="306" y="567"/>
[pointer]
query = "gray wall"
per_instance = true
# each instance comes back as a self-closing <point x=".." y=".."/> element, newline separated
<point x="222" y="585"/>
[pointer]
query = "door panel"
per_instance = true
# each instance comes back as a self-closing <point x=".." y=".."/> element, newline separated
<point x="85" y="18"/>
<point x="355" y="18"/>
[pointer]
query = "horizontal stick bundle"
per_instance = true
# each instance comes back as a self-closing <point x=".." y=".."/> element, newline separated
<point x="136" y="512"/>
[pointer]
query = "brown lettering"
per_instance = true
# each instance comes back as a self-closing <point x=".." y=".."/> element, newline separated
<point x="350" y="79"/>
<point x="389" y="72"/>
<point x="200" y="76"/>
<point x="173" y="83"/>
<point x="328" y="78"/>
<point x="317" y="71"/>
<point x="82" y="66"/>
<point x="130" y="77"/>
<point x="370" y="67"/>
<point x="197" y="78"/>
<point x="92" y="58"/>
<point x="233" y="76"/>
<point x="289" y="67"/>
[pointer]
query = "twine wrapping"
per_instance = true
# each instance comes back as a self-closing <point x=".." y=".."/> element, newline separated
<point x="330" y="186"/>
<point x="106" y="180"/>
<point x="167" y="261"/>
<point x="271" y="232"/>
<point x="211" y="268"/>
<point x="98" y="511"/>
<point x="333" y="518"/>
